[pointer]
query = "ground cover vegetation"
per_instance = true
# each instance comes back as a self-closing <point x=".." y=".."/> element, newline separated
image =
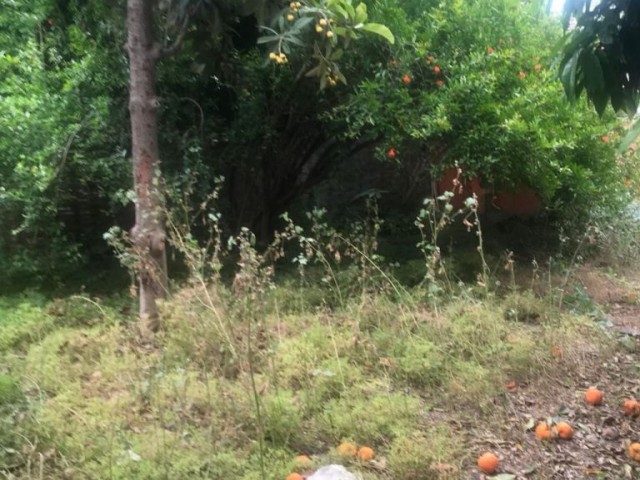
<point x="328" y="304"/>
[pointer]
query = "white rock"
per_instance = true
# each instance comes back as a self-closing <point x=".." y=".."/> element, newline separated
<point x="332" y="472"/>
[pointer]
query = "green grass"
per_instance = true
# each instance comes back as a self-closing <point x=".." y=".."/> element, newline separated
<point x="392" y="375"/>
<point x="23" y="320"/>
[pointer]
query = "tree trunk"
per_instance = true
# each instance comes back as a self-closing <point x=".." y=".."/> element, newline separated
<point x="149" y="232"/>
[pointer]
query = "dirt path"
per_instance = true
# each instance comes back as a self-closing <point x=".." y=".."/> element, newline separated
<point x="617" y="294"/>
<point x="602" y="434"/>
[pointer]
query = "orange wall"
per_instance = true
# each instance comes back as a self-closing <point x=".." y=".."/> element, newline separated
<point x="522" y="201"/>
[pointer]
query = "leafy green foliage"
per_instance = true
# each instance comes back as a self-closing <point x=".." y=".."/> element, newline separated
<point x="60" y="154"/>
<point x="22" y="321"/>
<point x="336" y="24"/>
<point x="9" y="391"/>
<point x="11" y="404"/>
<point x="601" y="54"/>
<point x="472" y="85"/>
<point x="464" y="82"/>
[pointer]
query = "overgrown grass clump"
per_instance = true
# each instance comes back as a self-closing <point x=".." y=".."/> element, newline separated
<point x="227" y="389"/>
<point x="247" y="373"/>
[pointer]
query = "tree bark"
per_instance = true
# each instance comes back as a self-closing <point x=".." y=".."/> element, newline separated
<point x="149" y="233"/>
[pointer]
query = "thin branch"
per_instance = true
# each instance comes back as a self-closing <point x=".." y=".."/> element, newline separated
<point x="312" y="162"/>
<point x="301" y="72"/>
<point x="177" y="43"/>
<point x="262" y="27"/>
<point x="199" y="108"/>
<point x="65" y="152"/>
<point x="363" y="143"/>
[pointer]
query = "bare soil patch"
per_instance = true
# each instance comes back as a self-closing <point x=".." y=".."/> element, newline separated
<point x="602" y="433"/>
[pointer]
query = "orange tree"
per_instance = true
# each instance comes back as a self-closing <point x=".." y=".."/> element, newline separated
<point x="465" y="82"/>
<point x="471" y="83"/>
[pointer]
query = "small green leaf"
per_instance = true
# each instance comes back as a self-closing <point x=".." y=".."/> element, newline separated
<point x="337" y="55"/>
<point x="303" y="22"/>
<point x="349" y="8"/>
<point x="361" y="13"/>
<point x="268" y="39"/>
<point x="340" y="31"/>
<point x="592" y="71"/>
<point x="600" y="100"/>
<point x="618" y="99"/>
<point x="315" y="72"/>
<point x="568" y="76"/>
<point x="197" y="67"/>
<point x="381" y="30"/>
<point x="295" y="40"/>
<point x="323" y="82"/>
<point x="341" y="11"/>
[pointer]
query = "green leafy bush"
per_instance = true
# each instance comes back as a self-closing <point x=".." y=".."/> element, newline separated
<point x="473" y="84"/>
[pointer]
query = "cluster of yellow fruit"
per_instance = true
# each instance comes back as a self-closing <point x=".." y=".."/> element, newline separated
<point x="630" y="407"/>
<point x="293" y="9"/>
<point x="562" y="430"/>
<point x="278" y="57"/>
<point x="322" y="24"/>
<point x="332" y="81"/>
